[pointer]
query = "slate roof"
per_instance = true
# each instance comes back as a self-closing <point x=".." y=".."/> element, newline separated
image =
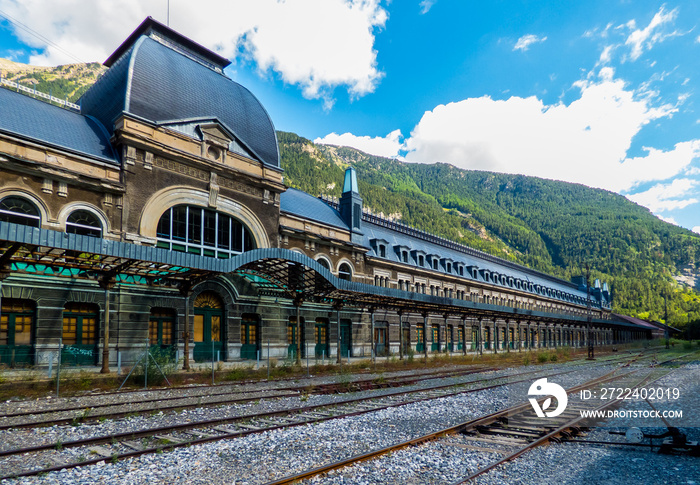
<point x="161" y="85"/>
<point x="299" y="203"/>
<point x="394" y="238"/>
<point x="44" y="123"/>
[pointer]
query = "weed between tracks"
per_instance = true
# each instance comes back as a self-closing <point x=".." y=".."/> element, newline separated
<point x="77" y="382"/>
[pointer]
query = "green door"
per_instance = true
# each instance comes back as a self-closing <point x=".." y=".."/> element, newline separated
<point x="250" y="343"/>
<point x="16" y="332"/>
<point x="292" y="338"/>
<point x="321" y="336"/>
<point x="208" y="327"/>
<point x="160" y="331"/>
<point x="435" y="346"/>
<point x="450" y="338"/>
<point x="420" y="339"/>
<point x="79" y="334"/>
<point x="460" y="338"/>
<point x="346" y="338"/>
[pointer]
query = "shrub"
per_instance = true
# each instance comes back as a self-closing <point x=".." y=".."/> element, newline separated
<point x="166" y="362"/>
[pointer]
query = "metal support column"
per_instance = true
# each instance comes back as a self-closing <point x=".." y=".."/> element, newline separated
<point x="297" y="304"/>
<point x="401" y="349"/>
<point x="372" y="350"/>
<point x="425" y="335"/>
<point x="337" y="320"/>
<point x="464" y="335"/>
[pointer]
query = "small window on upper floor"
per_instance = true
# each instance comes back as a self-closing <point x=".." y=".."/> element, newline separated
<point x="421" y="260"/>
<point x="404" y="256"/>
<point x="382" y="251"/>
<point x="435" y="264"/>
<point x="18" y="210"/>
<point x="84" y="223"/>
<point x="345" y="272"/>
<point x="449" y="267"/>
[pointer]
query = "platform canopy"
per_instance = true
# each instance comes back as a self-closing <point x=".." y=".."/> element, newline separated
<point x="273" y="271"/>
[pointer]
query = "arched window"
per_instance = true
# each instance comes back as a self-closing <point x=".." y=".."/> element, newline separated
<point x="85" y="223"/>
<point x="345" y="272"/>
<point x="202" y="231"/>
<point x="324" y="262"/>
<point x="19" y="211"/>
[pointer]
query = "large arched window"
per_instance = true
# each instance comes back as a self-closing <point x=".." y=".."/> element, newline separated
<point x="85" y="223"/>
<point x="19" y="211"/>
<point x="202" y="231"/>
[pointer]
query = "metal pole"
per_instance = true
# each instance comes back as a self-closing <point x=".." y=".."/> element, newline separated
<point x="425" y="336"/>
<point x="506" y="340"/>
<point x="371" y="335"/>
<point x="400" y="335"/>
<point x="105" y="338"/>
<point x="212" y="361"/>
<point x="298" y="356"/>
<point x="480" y="337"/>
<point x="464" y="335"/>
<point x="268" y="359"/>
<point x="337" y="318"/>
<point x="145" y="374"/>
<point x="58" y="365"/>
<point x="306" y="346"/>
<point x="186" y="335"/>
<point x="591" y="355"/>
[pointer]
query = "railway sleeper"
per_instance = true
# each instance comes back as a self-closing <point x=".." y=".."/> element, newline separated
<point x="101" y="451"/>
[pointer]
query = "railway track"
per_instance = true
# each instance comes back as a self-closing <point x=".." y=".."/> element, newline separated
<point x="514" y="427"/>
<point x="216" y="397"/>
<point x="210" y="396"/>
<point x="54" y="456"/>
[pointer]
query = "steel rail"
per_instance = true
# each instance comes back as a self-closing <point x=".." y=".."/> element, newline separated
<point x="120" y="437"/>
<point x="337" y="388"/>
<point x="552" y="434"/>
<point x="484" y="420"/>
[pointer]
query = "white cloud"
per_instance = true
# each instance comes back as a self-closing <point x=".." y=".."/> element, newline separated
<point x="606" y="55"/>
<point x="585" y="141"/>
<point x="284" y="37"/>
<point x="696" y="229"/>
<point x="644" y="39"/>
<point x="670" y="220"/>
<point x="667" y="197"/>
<point x="426" y="5"/>
<point x="387" y="146"/>
<point x="526" y="41"/>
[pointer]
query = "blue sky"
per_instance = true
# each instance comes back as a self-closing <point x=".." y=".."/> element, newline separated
<point x="602" y="93"/>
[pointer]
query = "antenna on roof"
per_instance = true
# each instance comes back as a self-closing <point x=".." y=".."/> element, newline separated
<point x="167" y="21"/>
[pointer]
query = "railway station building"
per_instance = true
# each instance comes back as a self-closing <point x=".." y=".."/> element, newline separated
<point x="155" y="214"/>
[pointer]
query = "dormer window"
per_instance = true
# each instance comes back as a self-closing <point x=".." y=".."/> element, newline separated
<point x="404" y="256"/>
<point x="421" y="260"/>
<point x="382" y="251"/>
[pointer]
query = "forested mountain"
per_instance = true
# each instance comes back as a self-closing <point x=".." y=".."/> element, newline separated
<point x="552" y="226"/>
<point x="67" y="82"/>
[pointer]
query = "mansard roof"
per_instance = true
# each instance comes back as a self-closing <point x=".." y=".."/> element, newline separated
<point x="299" y="203"/>
<point x="39" y="122"/>
<point x="158" y="76"/>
